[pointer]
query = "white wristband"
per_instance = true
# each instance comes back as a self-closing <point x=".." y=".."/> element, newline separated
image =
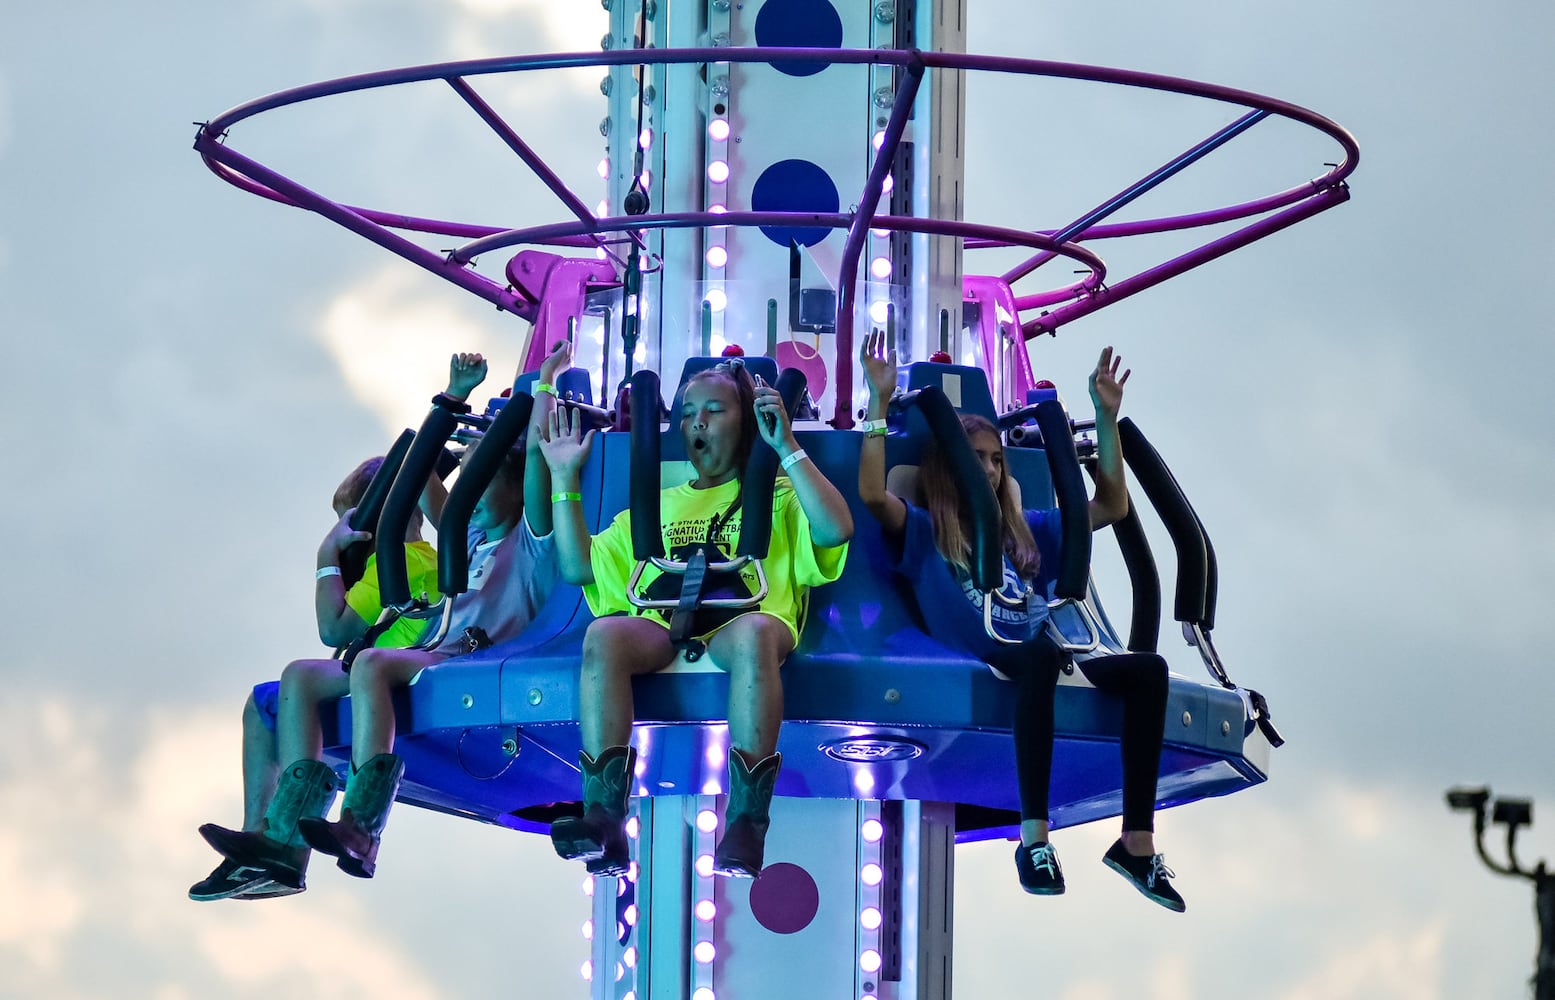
<point x="793" y="459"/>
<point x="326" y="571"/>
<point x="873" y="426"/>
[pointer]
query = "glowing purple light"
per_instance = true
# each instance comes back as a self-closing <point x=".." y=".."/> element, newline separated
<point x="704" y="865"/>
<point x="877" y="313"/>
<point x="588" y="930"/>
<point x="706" y="910"/>
<point x="707" y="820"/>
<point x="629" y="956"/>
<point x="718" y="129"/>
<point x="588" y="885"/>
<point x="871" y="874"/>
<point x="703" y="993"/>
<point x="630" y="914"/>
<point x="872" y="831"/>
<point x="704" y="952"/>
<point x="632" y="827"/>
<point x="869" y="918"/>
<point x="869" y="961"/>
<point x="717" y="257"/>
<point x="880" y="267"/>
<point x="586" y="970"/>
<point x="878" y="140"/>
<point x="645" y="138"/>
<point x="717" y="209"/>
<point x="716" y="299"/>
<point x="631" y="872"/>
<point x="604" y="167"/>
<point x="890" y="182"/>
<point x="718" y="171"/>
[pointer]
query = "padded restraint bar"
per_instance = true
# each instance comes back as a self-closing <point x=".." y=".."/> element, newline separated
<point x="1074" y="562"/>
<point x="987" y="549"/>
<point x="353" y="561"/>
<point x="409" y="482"/>
<point x="1144" y="630"/>
<point x="1181" y="523"/>
<point x="643" y="490"/>
<point x="504" y="432"/>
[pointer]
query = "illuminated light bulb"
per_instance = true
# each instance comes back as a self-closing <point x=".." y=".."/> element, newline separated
<point x="717" y="257"/>
<point x="630" y="914"/>
<point x="716" y="300"/>
<point x="703" y="993"/>
<point x="645" y="138"/>
<point x="588" y="930"/>
<point x="604" y="167"/>
<point x="586" y="970"/>
<point x="877" y="141"/>
<point x="704" y="952"/>
<point x="871" y="874"/>
<point x="631" y="872"/>
<point x="704" y="865"/>
<point x="629" y="956"/>
<point x="706" y="910"/>
<point x="602" y="209"/>
<point x="869" y="961"/>
<point x="600" y="254"/>
<point x="620" y="971"/>
<point x="718" y="171"/>
<point x="718" y="346"/>
<point x="872" y="829"/>
<point x="877" y="313"/>
<point x="889" y="183"/>
<point x="633" y="826"/>
<point x="718" y="209"/>
<point x="641" y="767"/>
<point x="710" y="786"/>
<point x="880" y="267"/>
<point x="869" y="918"/>
<point x="620" y="931"/>
<point x="632" y="995"/>
<point x="882" y="233"/>
<point x="588" y="885"/>
<point x="620" y="887"/>
<point x="707" y="821"/>
<point x="718" y="129"/>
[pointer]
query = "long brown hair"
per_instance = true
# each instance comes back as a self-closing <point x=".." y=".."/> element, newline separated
<point x="949" y="512"/>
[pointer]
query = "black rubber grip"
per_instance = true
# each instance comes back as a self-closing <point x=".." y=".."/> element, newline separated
<point x="761" y="472"/>
<point x="353" y="560"/>
<point x="1144" y="630"/>
<point x="1074" y="561"/>
<point x="479" y="468"/>
<point x="647" y="529"/>
<point x="1176" y="513"/>
<point x="987" y="538"/>
<point x="409" y="483"/>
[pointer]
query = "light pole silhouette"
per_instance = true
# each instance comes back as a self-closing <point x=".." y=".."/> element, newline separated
<point x="1515" y="814"/>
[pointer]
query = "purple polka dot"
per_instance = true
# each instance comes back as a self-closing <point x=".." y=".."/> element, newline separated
<point x="784" y="898"/>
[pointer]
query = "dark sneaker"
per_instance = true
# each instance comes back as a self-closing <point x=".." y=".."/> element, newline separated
<point x="228" y="880"/>
<point x="1038" y="867"/>
<point x="1148" y="873"/>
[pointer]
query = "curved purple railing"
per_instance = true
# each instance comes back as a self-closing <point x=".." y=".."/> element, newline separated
<point x="587" y="230"/>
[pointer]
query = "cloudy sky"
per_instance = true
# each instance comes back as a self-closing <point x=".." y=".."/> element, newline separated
<point x="1357" y="407"/>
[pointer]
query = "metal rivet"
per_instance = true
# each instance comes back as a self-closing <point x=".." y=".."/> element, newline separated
<point x="510" y="747"/>
<point x="468" y="701"/>
<point x="1225" y="729"/>
<point x="535" y="697"/>
<point x="892" y="696"/>
<point x="885" y="11"/>
<point x="1187" y="718"/>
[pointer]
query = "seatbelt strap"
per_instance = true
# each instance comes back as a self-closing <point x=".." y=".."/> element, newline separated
<point x="684" y="617"/>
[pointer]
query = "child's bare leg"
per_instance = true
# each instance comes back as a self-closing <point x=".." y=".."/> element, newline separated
<point x="374" y="676"/>
<point x="304" y="685"/>
<point x="614" y="651"/>
<point x="752" y="649"/>
<point x="261" y="768"/>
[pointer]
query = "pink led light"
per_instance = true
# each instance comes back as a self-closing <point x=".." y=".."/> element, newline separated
<point x="588" y="885"/>
<point x="706" y="910"/>
<point x="718" y="171"/>
<point x="603" y="208"/>
<point x="586" y="970"/>
<point x="704" y="866"/>
<point x="588" y="930"/>
<point x="717" y="300"/>
<point x="717" y="257"/>
<point x="869" y="961"/>
<point x="877" y="313"/>
<point x="631" y="872"/>
<point x="703" y="993"/>
<point x="630" y="913"/>
<point x="704" y="952"/>
<point x="632" y="827"/>
<point x="604" y="167"/>
<point x="707" y="820"/>
<point x="645" y="138"/>
<point x="717" y="209"/>
<point x="880" y="267"/>
<point x="646" y="177"/>
<point x="869" y="918"/>
<point x="872" y="830"/>
<point x="890" y="182"/>
<point x="629" y="956"/>
<point x="718" y="129"/>
<point x="878" y="140"/>
<point x="871" y="874"/>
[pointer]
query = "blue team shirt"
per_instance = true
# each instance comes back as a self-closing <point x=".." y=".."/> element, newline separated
<point x="953" y="608"/>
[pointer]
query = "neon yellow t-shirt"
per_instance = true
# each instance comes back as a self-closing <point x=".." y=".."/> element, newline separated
<point x="364" y="599"/>
<point x="793" y="565"/>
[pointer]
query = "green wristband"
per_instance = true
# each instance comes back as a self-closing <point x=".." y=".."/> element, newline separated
<point x="564" y="497"/>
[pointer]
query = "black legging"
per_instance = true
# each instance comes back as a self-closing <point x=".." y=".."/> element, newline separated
<point x="1138" y="678"/>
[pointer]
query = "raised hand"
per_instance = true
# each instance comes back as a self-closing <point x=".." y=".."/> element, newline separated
<point x="878" y="360"/>
<point x="1107" y="384"/>
<point x="564" y="444"/>
<point x="558" y="361"/>
<point x="341" y="537"/>
<point x="772" y="421"/>
<point x="465" y="372"/>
